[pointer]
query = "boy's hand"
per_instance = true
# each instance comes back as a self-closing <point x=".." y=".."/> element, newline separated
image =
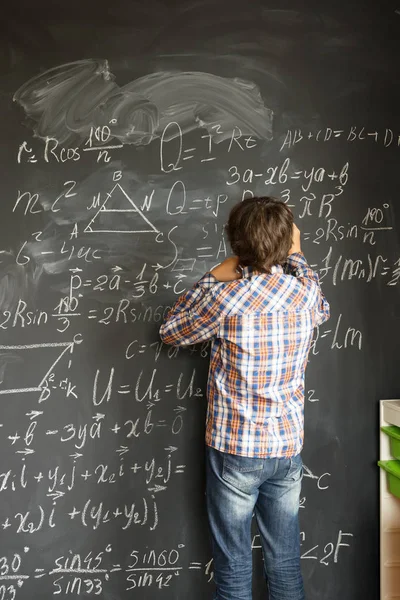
<point x="296" y="245"/>
<point x="228" y="270"/>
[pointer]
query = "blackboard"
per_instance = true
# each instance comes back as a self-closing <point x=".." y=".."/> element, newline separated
<point x="129" y="129"/>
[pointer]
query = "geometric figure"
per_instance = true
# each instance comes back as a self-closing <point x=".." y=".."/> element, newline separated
<point x="141" y="224"/>
<point x="65" y="346"/>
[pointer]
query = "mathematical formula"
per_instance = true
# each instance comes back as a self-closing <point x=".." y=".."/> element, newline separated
<point x="101" y="418"/>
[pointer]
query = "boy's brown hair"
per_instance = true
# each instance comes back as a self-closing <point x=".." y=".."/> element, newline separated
<point x="260" y="232"/>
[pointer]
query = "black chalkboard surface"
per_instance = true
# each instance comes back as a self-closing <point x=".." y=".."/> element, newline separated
<point x="128" y="131"/>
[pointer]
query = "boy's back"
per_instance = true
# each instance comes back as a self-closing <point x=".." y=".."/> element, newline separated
<point x="262" y="326"/>
<point x="259" y="308"/>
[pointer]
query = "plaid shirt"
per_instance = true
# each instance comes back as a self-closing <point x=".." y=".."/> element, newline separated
<point x="262" y="328"/>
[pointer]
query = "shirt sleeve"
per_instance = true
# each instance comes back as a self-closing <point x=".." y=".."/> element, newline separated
<point x="297" y="266"/>
<point x="195" y="316"/>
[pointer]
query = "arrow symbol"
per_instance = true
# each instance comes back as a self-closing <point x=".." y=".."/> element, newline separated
<point x="32" y="414"/>
<point x="122" y="450"/>
<point x="157" y="488"/>
<point x="76" y="270"/>
<point x="56" y="495"/>
<point x="157" y="266"/>
<point x="116" y="268"/>
<point x="309" y="473"/>
<point x="180" y="276"/>
<point x="98" y="416"/>
<point x="26" y="451"/>
<point x="149" y="405"/>
<point x="76" y="455"/>
<point x="171" y="449"/>
<point x="179" y="409"/>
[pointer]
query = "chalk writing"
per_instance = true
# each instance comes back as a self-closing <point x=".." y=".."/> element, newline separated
<point x="102" y="423"/>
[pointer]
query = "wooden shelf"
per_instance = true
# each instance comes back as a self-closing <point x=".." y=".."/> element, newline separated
<point x="389" y="511"/>
<point x="391" y="411"/>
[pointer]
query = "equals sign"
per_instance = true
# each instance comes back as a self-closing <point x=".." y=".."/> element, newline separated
<point x="180" y="469"/>
<point x="123" y="389"/>
<point x="115" y="568"/>
<point x="50" y="432"/>
<point x="161" y="423"/>
<point x="168" y="388"/>
<point x="41" y="573"/>
<point x="189" y="150"/>
<point x="88" y="282"/>
<point x="326" y="333"/>
<point x="93" y="310"/>
<point x="195" y="565"/>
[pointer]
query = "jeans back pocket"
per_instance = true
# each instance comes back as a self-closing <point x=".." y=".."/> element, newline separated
<point x="295" y="472"/>
<point x="243" y="472"/>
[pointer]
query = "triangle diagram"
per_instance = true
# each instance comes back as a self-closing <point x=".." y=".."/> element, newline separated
<point x="127" y="218"/>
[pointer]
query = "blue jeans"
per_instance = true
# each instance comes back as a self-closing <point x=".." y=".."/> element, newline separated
<point x="237" y="487"/>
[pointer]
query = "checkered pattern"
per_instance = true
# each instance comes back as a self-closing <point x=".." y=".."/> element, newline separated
<point x="262" y="327"/>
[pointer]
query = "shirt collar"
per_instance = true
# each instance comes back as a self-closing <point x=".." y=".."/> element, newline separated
<point x="247" y="272"/>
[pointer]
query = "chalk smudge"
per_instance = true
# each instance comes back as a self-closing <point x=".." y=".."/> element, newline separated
<point x="17" y="281"/>
<point x="64" y="102"/>
<point x="7" y="358"/>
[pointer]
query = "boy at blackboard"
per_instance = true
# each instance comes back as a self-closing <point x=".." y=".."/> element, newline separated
<point x="260" y="308"/>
